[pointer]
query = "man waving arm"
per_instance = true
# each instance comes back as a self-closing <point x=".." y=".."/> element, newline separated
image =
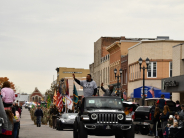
<point x="76" y="80"/>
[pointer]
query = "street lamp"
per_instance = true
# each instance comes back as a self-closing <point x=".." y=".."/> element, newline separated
<point x="118" y="77"/>
<point x="140" y="63"/>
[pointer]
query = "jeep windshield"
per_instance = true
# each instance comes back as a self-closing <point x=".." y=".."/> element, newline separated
<point x="103" y="103"/>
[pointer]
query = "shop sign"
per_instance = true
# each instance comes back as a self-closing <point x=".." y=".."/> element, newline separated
<point x="170" y="84"/>
<point x="73" y="72"/>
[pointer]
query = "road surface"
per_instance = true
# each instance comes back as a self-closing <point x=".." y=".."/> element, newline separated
<point x="29" y="130"/>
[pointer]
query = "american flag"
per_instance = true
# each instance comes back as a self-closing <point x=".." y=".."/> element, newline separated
<point x="152" y="92"/>
<point x="59" y="101"/>
<point x="124" y="95"/>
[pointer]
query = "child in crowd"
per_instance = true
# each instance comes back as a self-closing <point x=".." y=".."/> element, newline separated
<point x="171" y="120"/>
<point x="8" y="95"/>
<point x="11" y="121"/>
<point x="169" y="124"/>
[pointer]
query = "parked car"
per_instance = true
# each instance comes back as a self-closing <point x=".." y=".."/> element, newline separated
<point x="30" y="105"/>
<point x="66" y="121"/>
<point x="26" y="105"/>
<point x="169" y="102"/>
<point x="103" y="116"/>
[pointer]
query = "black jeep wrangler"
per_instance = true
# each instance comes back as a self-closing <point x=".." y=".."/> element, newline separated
<point x="102" y="116"/>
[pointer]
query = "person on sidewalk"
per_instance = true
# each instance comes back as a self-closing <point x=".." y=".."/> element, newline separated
<point x="39" y="114"/>
<point x="156" y="121"/>
<point x="8" y="95"/>
<point x="3" y="117"/>
<point x="161" y="102"/>
<point x="108" y="92"/>
<point x="164" y="117"/>
<point x="11" y="120"/>
<point x="89" y="86"/>
<point x="181" y="113"/>
<point x="16" y="124"/>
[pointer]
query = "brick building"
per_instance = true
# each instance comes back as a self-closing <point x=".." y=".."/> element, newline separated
<point x="100" y="67"/>
<point x="36" y="96"/>
<point x="124" y="77"/>
<point x="160" y="54"/>
<point x="116" y="51"/>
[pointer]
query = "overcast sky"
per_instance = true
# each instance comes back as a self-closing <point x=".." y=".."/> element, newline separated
<point x="36" y="36"/>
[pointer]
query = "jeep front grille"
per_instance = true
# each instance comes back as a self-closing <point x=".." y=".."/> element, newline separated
<point x="107" y="118"/>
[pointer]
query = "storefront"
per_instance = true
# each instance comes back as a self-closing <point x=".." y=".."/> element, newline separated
<point x="174" y="85"/>
<point x="150" y="92"/>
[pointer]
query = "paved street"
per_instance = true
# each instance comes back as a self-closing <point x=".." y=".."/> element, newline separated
<point x="29" y="130"/>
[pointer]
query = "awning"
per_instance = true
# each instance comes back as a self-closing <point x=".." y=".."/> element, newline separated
<point x="157" y="92"/>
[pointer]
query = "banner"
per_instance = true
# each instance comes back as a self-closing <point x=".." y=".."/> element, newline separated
<point x="69" y="102"/>
<point x="64" y="87"/>
<point x="48" y="102"/>
<point x="75" y="95"/>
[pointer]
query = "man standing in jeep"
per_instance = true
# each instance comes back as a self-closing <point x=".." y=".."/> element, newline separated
<point x="89" y="86"/>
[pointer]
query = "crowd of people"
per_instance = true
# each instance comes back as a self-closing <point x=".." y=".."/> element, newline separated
<point x="10" y="113"/>
<point x="43" y="115"/>
<point x="163" y="118"/>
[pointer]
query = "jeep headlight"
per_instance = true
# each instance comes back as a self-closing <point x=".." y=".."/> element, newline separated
<point x="94" y="116"/>
<point x="62" y="120"/>
<point x="120" y="117"/>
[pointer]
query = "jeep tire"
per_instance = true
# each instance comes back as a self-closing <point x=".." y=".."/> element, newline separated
<point x="130" y="132"/>
<point x="75" y="131"/>
<point x="82" y="133"/>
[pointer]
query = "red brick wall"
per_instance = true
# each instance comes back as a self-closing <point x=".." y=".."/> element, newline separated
<point x="124" y="67"/>
<point x="115" y="56"/>
<point x="106" y="41"/>
<point x="35" y="94"/>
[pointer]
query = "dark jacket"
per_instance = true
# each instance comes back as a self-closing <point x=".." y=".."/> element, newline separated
<point x="161" y="103"/>
<point x="106" y="91"/>
<point x="181" y="113"/>
<point x="156" y="118"/>
<point x="54" y="111"/>
<point x="4" y="116"/>
<point x="164" y="117"/>
<point x="19" y="110"/>
<point x="38" y="112"/>
<point x="152" y="112"/>
<point x="170" y="122"/>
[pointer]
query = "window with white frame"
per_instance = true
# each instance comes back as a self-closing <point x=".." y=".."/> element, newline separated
<point x="152" y="70"/>
<point x="170" y="69"/>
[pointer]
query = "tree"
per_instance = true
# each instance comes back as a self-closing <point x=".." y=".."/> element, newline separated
<point x="3" y="79"/>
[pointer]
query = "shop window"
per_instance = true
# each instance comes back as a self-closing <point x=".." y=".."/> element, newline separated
<point x="170" y="69"/>
<point x="152" y="70"/>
